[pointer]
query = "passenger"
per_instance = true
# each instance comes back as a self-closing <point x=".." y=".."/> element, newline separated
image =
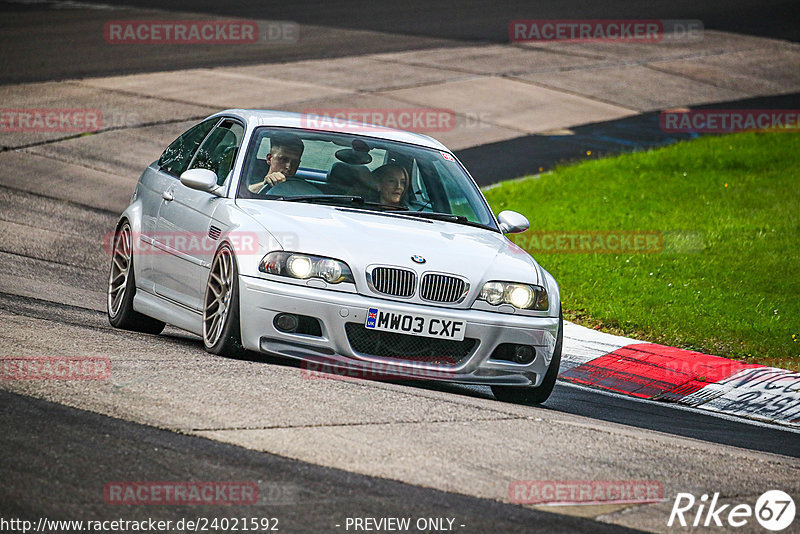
<point x="283" y="160"/>
<point x="392" y="184"/>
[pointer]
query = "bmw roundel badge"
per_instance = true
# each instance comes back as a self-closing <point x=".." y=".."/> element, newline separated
<point x="416" y="258"/>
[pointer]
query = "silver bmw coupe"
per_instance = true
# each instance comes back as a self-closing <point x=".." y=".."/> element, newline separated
<point x="341" y="244"/>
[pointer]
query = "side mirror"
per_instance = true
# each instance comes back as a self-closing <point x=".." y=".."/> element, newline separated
<point x="512" y="222"/>
<point x="201" y="179"/>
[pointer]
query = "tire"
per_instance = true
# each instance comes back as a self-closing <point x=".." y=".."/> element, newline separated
<point x="538" y="394"/>
<point x="221" y="329"/>
<point x="122" y="287"/>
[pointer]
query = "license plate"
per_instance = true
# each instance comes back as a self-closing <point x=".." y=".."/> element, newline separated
<point x="418" y="325"/>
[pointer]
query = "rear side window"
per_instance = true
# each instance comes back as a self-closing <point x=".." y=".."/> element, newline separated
<point x="177" y="156"/>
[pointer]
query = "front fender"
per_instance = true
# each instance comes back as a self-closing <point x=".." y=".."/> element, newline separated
<point x="553" y="293"/>
<point x="132" y="214"/>
<point x="249" y="240"/>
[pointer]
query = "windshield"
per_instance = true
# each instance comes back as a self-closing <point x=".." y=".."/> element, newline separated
<point x="362" y="172"/>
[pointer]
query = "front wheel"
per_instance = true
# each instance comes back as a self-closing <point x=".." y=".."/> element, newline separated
<point x="538" y="394"/>
<point x="122" y="287"/>
<point x="221" y="330"/>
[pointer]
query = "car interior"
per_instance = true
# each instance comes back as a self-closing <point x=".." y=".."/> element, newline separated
<point x="348" y="172"/>
<point x="335" y="164"/>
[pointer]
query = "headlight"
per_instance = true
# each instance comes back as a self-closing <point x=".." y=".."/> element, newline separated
<point x="492" y="293"/>
<point x="302" y="266"/>
<point x="522" y="296"/>
<point x="519" y="296"/>
<point x="330" y="270"/>
<point x="299" y="266"/>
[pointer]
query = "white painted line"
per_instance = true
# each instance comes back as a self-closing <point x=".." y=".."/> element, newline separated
<point x="718" y="415"/>
<point x="765" y="393"/>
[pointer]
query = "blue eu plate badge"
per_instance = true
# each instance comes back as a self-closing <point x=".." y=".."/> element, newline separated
<point x="372" y="317"/>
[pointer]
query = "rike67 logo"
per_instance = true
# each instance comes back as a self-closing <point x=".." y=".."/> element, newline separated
<point x="774" y="510"/>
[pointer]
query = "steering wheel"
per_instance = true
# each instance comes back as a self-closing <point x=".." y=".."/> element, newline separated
<point x="292" y="186"/>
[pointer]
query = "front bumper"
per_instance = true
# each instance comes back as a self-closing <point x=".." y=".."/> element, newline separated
<point x="261" y="300"/>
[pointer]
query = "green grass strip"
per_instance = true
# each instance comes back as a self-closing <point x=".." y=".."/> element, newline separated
<point x="695" y="245"/>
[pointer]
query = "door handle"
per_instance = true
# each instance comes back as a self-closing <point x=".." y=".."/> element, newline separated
<point x="168" y="196"/>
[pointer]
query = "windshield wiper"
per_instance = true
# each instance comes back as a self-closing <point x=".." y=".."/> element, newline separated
<point x="451" y="217"/>
<point x="348" y="199"/>
<point x="318" y="198"/>
<point x="435" y="215"/>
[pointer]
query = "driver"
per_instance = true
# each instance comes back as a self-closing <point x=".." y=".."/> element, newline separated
<point x="283" y="159"/>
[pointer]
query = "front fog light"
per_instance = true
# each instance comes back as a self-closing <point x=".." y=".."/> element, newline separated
<point x="492" y="293"/>
<point x="329" y="270"/>
<point x="519" y="296"/>
<point x="299" y="266"/>
<point x="286" y="322"/>
<point x="524" y="354"/>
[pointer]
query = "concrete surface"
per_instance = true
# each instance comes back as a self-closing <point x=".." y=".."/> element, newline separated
<point x="529" y="89"/>
<point x="57" y="461"/>
<point x="523" y="107"/>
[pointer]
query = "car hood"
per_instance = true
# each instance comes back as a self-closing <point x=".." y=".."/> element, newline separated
<point x="362" y="238"/>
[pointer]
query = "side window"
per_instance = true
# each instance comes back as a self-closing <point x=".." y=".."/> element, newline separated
<point x="177" y="156"/>
<point x="456" y="196"/>
<point x="219" y="150"/>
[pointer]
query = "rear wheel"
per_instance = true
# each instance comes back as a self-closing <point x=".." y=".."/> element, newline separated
<point x="221" y="330"/>
<point x="540" y="393"/>
<point x="122" y="287"/>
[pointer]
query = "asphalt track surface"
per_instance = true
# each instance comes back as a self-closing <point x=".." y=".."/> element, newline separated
<point x="56" y="458"/>
<point x="477" y="20"/>
<point x="63" y="457"/>
<point x="53" y="41"/>
<point x="566" y="398"/>
<point x="505" y="160"/>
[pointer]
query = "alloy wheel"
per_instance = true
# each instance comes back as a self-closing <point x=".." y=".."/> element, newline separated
<point x="218" y="297"/>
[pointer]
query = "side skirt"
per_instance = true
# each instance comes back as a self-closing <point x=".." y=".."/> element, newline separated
<point x="168" y="311"/>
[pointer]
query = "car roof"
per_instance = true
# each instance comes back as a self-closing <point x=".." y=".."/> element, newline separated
<point x="263" y="117"/>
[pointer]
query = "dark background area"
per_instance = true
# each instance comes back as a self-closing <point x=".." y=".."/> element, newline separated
<point x="54" y="41"/>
